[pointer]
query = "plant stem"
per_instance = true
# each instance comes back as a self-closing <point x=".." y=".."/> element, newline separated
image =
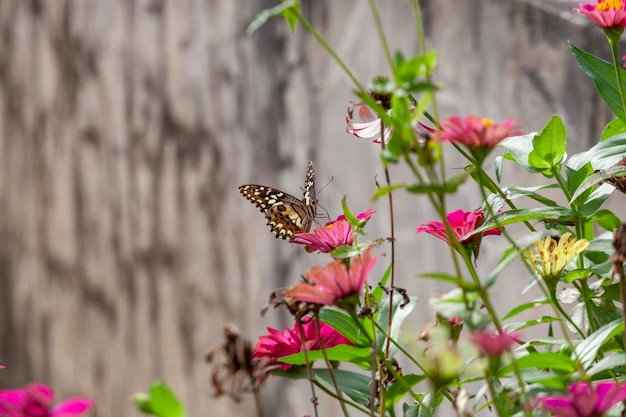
<point x="309" y="371"/>
<point x="381" y="34"/>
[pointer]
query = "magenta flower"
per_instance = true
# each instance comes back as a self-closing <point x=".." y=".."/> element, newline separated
<point x="461" y="223"/>
<point x="607" y="14"/>
<point x="335" y="284"/>
<point x="35" y="400"/>
<point x="369" y="125"/>
<point x="494" y="343"/>
<point x="329" y="237"/>
<point x="278" y="344"/>
<point x="584" y="400"/>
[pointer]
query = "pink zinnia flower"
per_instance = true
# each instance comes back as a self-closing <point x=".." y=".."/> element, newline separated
<point x="584" y="400"/>
<point x="330" y="236"/>
<point x="494" y="343"/>
<point x="369" y="125"/>
<point x="278" y="344"/>
<point x="461" y="223"/>
<point x="474" y="132"/>
<point x="607" y="14"/>
<point x="335" y="284"/>
<point x="35" y="400"/>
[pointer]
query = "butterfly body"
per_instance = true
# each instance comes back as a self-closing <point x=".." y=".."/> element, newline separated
<point x="285" y="215"/>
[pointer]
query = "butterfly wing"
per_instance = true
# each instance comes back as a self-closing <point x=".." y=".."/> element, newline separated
<point x="285" y="215"/>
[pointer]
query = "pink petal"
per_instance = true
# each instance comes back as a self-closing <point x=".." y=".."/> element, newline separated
<point x="72" y="407"/>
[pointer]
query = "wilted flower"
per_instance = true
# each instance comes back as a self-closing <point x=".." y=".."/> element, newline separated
<point x="607" y="14"/>
<point x="336" y="284"/>
<point x="332" y="235"/>
<point x="231" y="362"/>
<point x="584" y="400"/>
<point x="35" y="400"/>
<point x="462" y="223"/>
<point x="480" y="136"/>
<point x="554" y="254"/>
<point x="279" y="344"/>
<point x="494" y="343"/>
<point x="369" y="125"/>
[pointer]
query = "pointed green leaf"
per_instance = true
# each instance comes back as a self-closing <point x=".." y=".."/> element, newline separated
<point x="603" y="75"/>
<point x="344" y="324"/>
<point x="518" y="149"/>
<point x="604" y="155"/>
<point x="549" y="147"/>
<point x="288" y="9"/>
<point x="163" y="401"/>
<point x="613" y="128"/>
<point x="587" y="350"/>
<point x="598" y="177"/>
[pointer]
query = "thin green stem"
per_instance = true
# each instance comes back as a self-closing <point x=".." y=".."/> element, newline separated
<point x="309" y="371"/>
<point x="381" y="34"/>
<point x="330" y="368"/>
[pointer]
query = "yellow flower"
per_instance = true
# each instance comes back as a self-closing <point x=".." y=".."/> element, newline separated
<point x="554" y="254"/>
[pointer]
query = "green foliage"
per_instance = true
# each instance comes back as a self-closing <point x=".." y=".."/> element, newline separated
<point x="160" y="401"/>
<point x="549" y="148"/>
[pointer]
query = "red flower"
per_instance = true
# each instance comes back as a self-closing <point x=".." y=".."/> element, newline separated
<point x="331" y="236"/>
<point x="584" y="400"/>
<point x="35" y="400"/>
<point x="494" y="344"/>
<point x="607" y="14"/>
<point x="276" y="345"/>
<point x="335" y="284"/>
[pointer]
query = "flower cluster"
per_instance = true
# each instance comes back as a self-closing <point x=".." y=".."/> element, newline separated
<point x="35" y="400"/>
<point x="276" y="344"/>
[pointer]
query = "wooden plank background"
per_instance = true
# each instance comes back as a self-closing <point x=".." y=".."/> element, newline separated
<point x="126" y="127"/>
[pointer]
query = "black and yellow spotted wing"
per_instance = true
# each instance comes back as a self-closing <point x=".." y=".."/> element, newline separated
<point x="285" y="215"/>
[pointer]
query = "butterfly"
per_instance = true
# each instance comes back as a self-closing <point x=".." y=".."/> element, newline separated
<point x="285" y="215"/>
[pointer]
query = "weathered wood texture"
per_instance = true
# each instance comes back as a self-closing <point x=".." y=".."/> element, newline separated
<point x="126" y="127"/>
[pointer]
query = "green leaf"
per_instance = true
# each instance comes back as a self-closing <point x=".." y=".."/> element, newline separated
<point x="614" y="127"/>
<point x="553" y="361"/>
<point x="289" y="9"/>
<point x="344" y="324"/>
<point x="603" y="75"/>
<point x="401" y="387"/>
<point x="518" y="148"/>
<point x="604" y="155"/>
<point x="355" y="386"/>
<point x="379" y="290"/>
<point x="450" y="186"/>
<point x="597" y="178"/>
<point x="523" y="307"/>
<point x="587" y="350"/>
<point x="161" y="401"/>
<point x="522" y="215"/>
<point x="498" y="167"/>
<point x="606" y="363"/>
<point x="383" y="190"/>
<point x="607" y="220"/>
<point x="549" y="147"/>
<point x="513" y="193"/>
<point x="360" y="356"/>
<point x="398" y="316"/>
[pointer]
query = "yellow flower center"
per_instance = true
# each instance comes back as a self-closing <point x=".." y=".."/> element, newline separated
<point x="329" y="226"/>
<point x="487" y="122"/>
<point x="610" y="5"/>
